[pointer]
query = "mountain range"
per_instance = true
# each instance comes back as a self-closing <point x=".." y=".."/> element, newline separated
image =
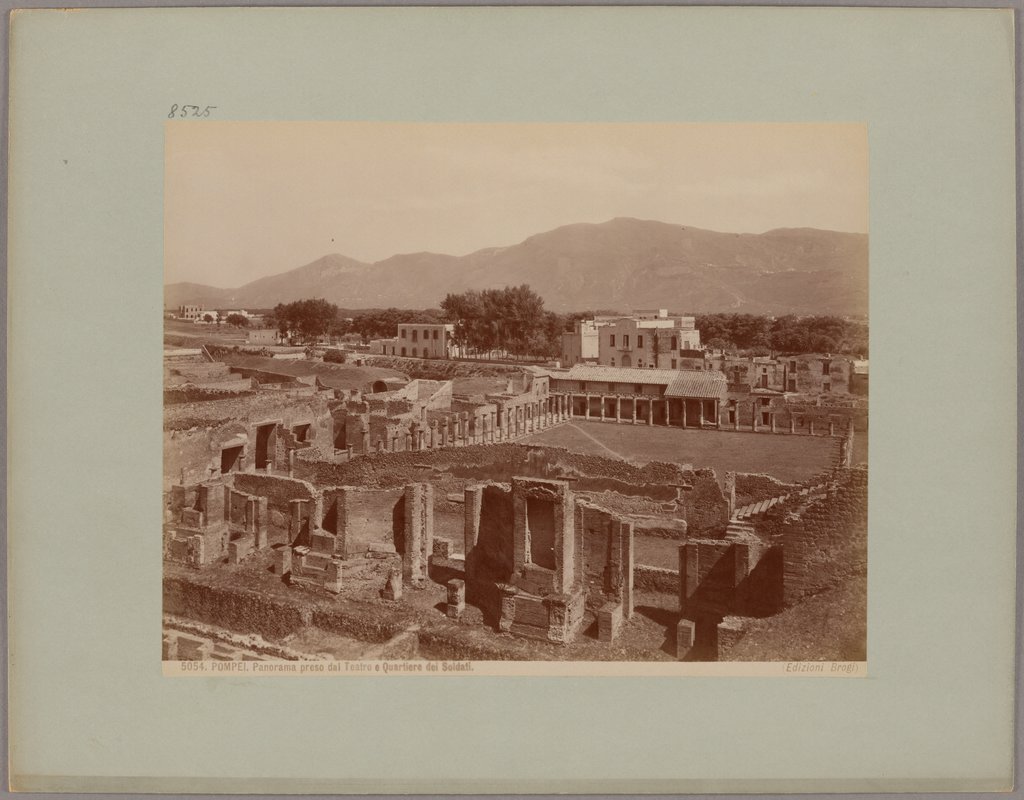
<point x="621" y="264"/>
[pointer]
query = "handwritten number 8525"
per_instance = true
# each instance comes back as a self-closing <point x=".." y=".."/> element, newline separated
<point x="180" y="112"/>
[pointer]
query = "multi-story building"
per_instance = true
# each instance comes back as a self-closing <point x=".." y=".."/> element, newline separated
<point x="647" y="340"/>
<point x="190" y="312"/>
<point x="422" y="340"/>
<point x="581" y="345"/>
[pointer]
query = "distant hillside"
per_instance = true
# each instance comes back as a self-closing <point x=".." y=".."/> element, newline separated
<point x="623" y="263"/>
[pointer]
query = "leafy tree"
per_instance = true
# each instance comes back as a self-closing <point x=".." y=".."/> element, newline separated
<point x="208" y="318"/>
<point x="238" y="320"/>
<point x="307" y="318"/>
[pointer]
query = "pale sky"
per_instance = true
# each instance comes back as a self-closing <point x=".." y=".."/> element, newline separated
<point x="244" y="200"/>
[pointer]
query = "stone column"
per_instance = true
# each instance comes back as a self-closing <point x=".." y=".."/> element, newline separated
<point x="831" y="427"/>
<point x="650" y="410"/>
<point x="736" y="422"/>
<point x="771" y="417"/>
<point x="684" y="412"/>
<point x="471" y="527"/>
<point x="602" y="408"/>
<point x="586" y="408"/>
<point x="753" y="415"/>
<point x="701" y="418"/>
<point x="668" y="411"/>
<point x="618" y="410"/>
<point x="634" y="409"/>
<point x="811" y="424"/>
<point x="792" y="424"/>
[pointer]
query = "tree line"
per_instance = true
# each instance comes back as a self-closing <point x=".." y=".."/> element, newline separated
<point x="784" y="335"/>
<point x="513" y="322"/>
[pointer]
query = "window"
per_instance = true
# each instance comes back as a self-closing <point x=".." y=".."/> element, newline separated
<point x="792" y="385"/>
<point x="732" y="415"/>
<point x="686" y="345"/>
<point x="414" y="335"/>
<point x="765" y="418"/>
<point x="414" y="349"/>
<point x="426" y="335"/>
<point x="826" y="386"/>
<point x="674" y="340"/>
<point x="764" y="401"/>
<point x="640" y="341"/>
<point x="625" y="340"/>
<point x="611" y="340"/>
<point x="403" y="351"/>
<point x="792" y="366"/>
<point x="825" y="366"/>
<point x="435" y="335"/>
<point x="673" y="360"/>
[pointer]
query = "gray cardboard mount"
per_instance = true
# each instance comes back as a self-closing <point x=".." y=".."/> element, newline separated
<point x="88" y="708"/>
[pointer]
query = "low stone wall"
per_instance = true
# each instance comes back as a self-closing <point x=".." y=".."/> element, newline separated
<point x="655" y="579"/>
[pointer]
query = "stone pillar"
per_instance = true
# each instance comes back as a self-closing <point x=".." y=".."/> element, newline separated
<point x="419" y="530"/>
<point x="348" y="451"/>
<point x="668" y="411"/>
<point x="634" y="409"/>
<point x="456" y="598"/>
<point x="730" y="492"/>
<point x="686" y="635"/>
<point x="394" y="443"/>
<point x="332" y="576"/>
<point x="474" y="497"/>
<point x="508" y="607"/>
<point x="753" y="415"/>
<point x="736" y="422"/>
<point x="771" y="418"/>
<point x="602" y="408"/>
<point x="684" y="412"/>
<point x="811" y="426"/>
<point x="718" y="413"/>
<point x="283" y="560"/>
<point x="586" y="408"/>
<point x="618" y="410"/>
<point x="650" y="410"/>
<point x="831" y="427"/>
<point x="366" y="439"/>
<point x="688" y="574"/>
<point x="434" y="435"/>
<point x="701" y="407"/>
<point x="792" y="424"/>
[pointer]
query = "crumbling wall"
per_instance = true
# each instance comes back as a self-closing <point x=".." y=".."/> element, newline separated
<point x="607" y="563"/>
<point x="280" y="492"/>
<point x="829" y="540"/>
<point x="705" y="508"/>
<point x="489" y="546"/>
<point x="722" y="577"/>
<point x="361" y="517"/>
<point x="753" y="488"/>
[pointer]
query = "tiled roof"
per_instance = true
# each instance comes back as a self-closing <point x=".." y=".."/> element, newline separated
<point x="678" y="383"/>
<point x="697" y="383"/>
<point x="586" y="372"/>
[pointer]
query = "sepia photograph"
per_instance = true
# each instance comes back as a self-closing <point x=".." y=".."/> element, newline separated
<point x="515" y="392"/>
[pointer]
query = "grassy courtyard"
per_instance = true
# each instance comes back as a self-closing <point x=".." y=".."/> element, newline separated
<point x="786" y="457"/>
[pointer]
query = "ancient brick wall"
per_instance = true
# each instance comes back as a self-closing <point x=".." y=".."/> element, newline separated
<point x="705" y="508"/>
<point x="753" y="488"/>
<point x="279" y="491"/>
<point x="720" y="577"/>
<point x="829" y="540"/>
<point x="658" y="580"/>
<point x="360" y="517"/>
<point x="607" y="564"/>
